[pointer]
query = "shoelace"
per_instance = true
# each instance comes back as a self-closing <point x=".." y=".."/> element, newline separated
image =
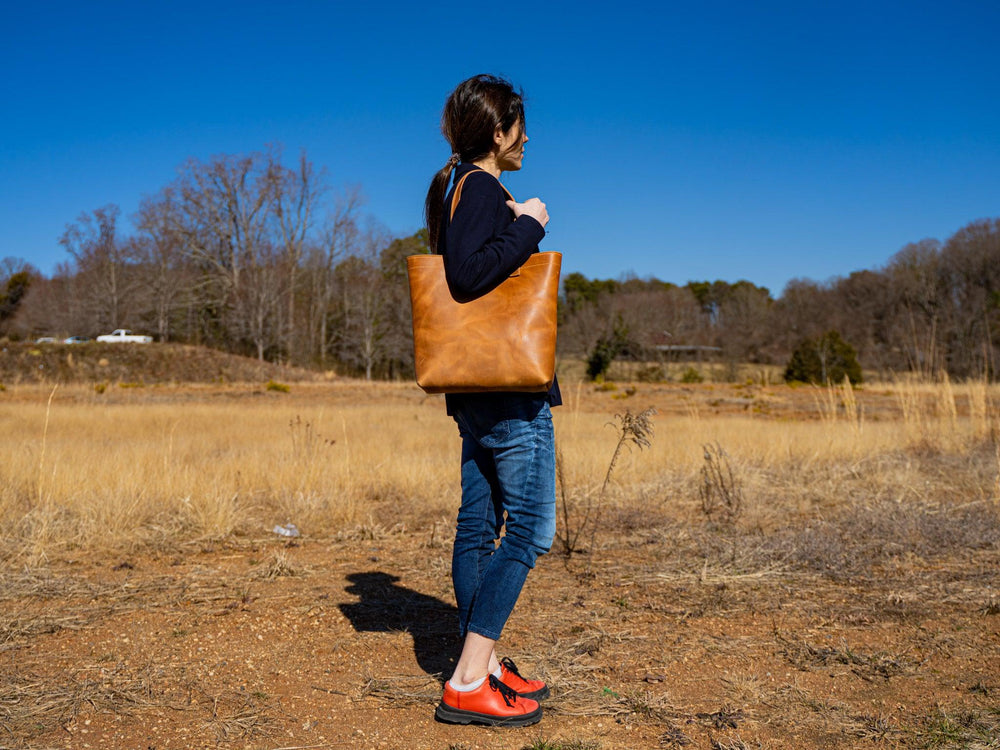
<point x="508" y="663"/>
<point x="509" y="695"/>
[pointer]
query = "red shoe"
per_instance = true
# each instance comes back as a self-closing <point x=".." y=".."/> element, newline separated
<point x="492" y="703"/>
<point x="536" y="690"/>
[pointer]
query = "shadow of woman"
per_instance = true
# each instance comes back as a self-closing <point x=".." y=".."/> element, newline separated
<point x="385" y="606"/>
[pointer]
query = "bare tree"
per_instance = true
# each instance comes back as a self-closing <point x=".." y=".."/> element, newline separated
<point x="396" y="300"/>
<point x="364" y="320"/>
<point x="258" y="301"/>
<point x="295" y="195"/>
<point x="801" y="312"/>
<point x="51" y="307"/>
<point x="583" y="325"/>
<point x="915" y="278"/>
<point x="338" y="240"/>
<point x="223" y="219"/>
<point x="106" y="267"/>
<point x="861" y="309"/>
<point x="742" y="319"/>
<point x="166" y="278"/>
<point x="970" y="267"/>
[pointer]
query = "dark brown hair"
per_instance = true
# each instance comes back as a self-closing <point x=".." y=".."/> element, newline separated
<point x="470" y="119"/>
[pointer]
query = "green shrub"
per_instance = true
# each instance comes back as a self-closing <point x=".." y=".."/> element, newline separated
<point x="692" y="375"/>
<point x="827" y="359"/>
<point x="606" y="349"/>
<point x="601" y="357"/>
<point x="651" y="374"/>
<point x="272" y="385"/>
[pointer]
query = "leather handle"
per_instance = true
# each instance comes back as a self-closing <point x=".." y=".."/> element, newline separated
<point x="457" y="195"/>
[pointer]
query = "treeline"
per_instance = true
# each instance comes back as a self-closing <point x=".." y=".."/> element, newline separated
<point x="240" y="253"/>
<point x="250" y="255"/>
<point x="933" y="307"/>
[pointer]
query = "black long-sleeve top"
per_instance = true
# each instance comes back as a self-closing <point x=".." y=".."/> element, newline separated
<point x="483" y="244"/>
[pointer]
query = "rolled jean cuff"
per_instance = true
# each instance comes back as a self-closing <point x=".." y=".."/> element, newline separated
<point x="484" y="632"/>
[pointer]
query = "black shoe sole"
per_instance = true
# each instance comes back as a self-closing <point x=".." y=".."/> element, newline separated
<point x="536" y="695"/>
<point x="450" y="715"/>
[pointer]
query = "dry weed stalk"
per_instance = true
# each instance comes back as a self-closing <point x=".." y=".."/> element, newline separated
<point x="632" y="429"/>
<point x="45" y="435"/>
<point x="852" y="410"/>
<point x="909" y="399"/>
<point x="979" y="413"/>
<point x="996" y="480"/>
<point x="306" y="441"/>
<point x="832" y="399"/>
<point x="946" y="407"/>
<point x="720" y="491"/>
<point x="570" y="533"/>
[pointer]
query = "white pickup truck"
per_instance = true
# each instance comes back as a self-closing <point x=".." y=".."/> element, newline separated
<point x="126" y="336"/>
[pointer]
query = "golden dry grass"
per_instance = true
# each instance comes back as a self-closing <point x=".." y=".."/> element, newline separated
<point x="143" y="466"/>
<point x="850" y="600"/>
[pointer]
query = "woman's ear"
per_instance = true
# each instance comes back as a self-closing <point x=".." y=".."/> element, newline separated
<point x="498" y="136"/>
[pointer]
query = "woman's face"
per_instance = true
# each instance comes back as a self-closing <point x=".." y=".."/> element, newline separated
<point x="511" y="147"/>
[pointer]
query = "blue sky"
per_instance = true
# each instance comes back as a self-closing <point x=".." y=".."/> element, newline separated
<point x="713" y="140"/>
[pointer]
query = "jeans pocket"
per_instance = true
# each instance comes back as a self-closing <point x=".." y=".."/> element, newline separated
<point x="527" y="408"/>
<point x="484" y="422"/>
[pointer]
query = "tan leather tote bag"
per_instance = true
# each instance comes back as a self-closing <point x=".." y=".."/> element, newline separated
<point x="502" y="341"/>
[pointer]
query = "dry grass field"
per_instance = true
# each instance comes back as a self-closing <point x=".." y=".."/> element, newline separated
<point x="779" y="567"/>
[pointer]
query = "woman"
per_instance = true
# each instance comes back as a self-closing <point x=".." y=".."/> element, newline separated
<point x="508" y="449"/>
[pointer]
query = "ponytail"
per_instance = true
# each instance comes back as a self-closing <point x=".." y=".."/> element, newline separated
<point x="434" y="203"/>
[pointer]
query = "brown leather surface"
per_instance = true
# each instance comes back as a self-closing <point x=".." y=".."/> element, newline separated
<point x="502" y="341"/>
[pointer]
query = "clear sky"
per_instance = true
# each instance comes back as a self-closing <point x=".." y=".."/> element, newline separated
<point x="719" y="139"/>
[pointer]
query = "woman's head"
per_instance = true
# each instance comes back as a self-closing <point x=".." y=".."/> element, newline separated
<point x="476" y="110"/>
<point x="483" y="117"/>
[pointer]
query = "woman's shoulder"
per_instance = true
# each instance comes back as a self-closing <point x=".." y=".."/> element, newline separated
<point x="482" y="183"/>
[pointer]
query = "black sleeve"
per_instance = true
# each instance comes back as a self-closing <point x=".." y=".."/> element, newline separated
<point x="478" y="256"/>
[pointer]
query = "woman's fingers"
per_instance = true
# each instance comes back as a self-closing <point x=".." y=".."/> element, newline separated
<point x="532" y="207"/>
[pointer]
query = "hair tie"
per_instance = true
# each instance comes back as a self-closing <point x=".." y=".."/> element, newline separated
<point x="454" y="159"/>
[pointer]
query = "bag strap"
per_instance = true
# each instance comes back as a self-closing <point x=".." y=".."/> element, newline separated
<point x="457" y="195"/>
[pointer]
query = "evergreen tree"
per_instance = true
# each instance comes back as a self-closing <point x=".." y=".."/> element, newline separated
<point x="827" y="359"/>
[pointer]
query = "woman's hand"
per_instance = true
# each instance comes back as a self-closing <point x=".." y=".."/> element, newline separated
<point x="532" y="207"/>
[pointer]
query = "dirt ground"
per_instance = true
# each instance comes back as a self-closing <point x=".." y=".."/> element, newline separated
<point x="879" y="627"/>
<point x="343" y="643"/>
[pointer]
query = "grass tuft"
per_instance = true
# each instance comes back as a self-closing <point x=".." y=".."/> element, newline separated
<point x="562" y="745"/>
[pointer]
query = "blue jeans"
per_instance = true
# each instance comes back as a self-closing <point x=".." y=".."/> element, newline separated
<point x="508" y="466"/>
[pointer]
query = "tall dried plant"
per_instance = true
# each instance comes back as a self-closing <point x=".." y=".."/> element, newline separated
<point x="631" y="429"/>
<point x="45" y="435"/>
<point x="946" y="406"/>
<point x="979" y="407"/>
<point x="721" y="490"/>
